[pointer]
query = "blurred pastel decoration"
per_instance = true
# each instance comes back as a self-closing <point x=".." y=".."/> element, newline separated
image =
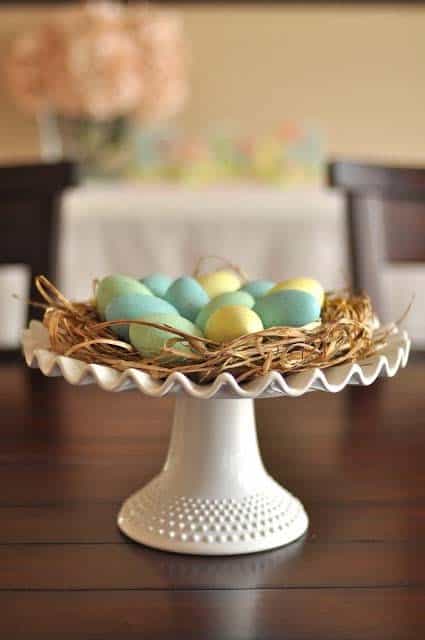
<point x="290" y="154"/>
<point x="99" y="70"/>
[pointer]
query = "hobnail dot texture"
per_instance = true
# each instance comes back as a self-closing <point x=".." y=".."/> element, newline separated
<point x="210" y="521"/>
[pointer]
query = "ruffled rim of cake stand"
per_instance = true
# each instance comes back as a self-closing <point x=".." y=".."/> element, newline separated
<point x="386" y="363"/>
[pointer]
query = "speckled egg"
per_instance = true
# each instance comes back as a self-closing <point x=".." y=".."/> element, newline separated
<point x="258" y="288"/>
<point x="133" y="306"/>
<point x="158" y="283"/>
<point x="187" y="296"/>
<point x="288" y="308"/>
<point x="228" y="323"/>
<point x="302" y="284"/>
<point x="218" y="282"/>
<point x="149" y="340"/>
<point x="114" y="286"/>
<point x="241" y="298"/>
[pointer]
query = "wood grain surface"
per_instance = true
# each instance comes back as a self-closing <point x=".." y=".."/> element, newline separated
<point x="69" y="456"/>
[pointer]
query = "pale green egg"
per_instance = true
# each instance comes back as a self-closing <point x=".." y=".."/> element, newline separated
<point x="150" y="340"/>
<point x="241" y="298"/>
<point x="229" y="323"/>
<point x="158" y="283"/>
<point x="133" y="306"/>
<point x="114" y="286"/>
<point x="288" y="308"/>
<point x="187" y="295"/>
<point x="258" y="288"/>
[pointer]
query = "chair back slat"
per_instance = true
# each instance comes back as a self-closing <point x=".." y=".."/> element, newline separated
<point x="387" y="182"/>
<point x="29" y="217"/>
<point x="386" y="220"/>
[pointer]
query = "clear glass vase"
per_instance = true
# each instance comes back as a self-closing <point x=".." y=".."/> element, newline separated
<point x="101" y="148"/>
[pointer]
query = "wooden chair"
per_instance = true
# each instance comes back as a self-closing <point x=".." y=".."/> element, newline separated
<point x="29" y="217"/>
<point x="386" y="220"/>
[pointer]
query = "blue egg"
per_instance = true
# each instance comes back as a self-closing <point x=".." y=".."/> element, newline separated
<point x="288" y="308"/>
<point x="257" y="288"/>
<point x="133" y="306"/>
<point x="188" y="296"/>
<point x="158" y="283"/>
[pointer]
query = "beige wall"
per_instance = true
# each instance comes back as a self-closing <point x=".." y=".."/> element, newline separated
<point x="358" y="72"/>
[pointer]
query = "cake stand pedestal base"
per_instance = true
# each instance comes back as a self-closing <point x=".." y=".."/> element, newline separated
<point x="213" y="496"/>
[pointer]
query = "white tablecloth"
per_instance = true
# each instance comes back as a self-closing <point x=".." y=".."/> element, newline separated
<point x="269" y="232"/>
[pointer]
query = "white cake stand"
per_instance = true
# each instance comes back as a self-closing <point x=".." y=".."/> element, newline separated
<point x="213" y="495"/>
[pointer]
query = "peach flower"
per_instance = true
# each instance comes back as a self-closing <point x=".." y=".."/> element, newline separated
<point x="95" y="71"/>
<point x="24" y="74"/>
<point x="159" y="35"/>
<point x="101" y="61"/>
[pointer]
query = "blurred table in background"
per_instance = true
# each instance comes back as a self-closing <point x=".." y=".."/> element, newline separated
<point x="268" y="231"/>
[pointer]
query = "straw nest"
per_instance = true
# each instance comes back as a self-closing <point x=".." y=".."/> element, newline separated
<point x="346" y="333"/>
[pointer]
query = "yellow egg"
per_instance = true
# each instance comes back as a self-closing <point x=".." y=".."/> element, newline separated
<point x="228" y="323"/>
<point x="301" y="284"/>
<point x="218" y="282"/>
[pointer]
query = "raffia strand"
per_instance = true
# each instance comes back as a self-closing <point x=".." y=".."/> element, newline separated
<point x="346" y="333"/>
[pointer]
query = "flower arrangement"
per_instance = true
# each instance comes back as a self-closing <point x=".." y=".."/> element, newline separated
<point x="100" y="77"/>
<point x="101" y="63"/>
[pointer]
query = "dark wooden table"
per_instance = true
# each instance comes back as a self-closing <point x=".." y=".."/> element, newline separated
<point x="70" y="455"/>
